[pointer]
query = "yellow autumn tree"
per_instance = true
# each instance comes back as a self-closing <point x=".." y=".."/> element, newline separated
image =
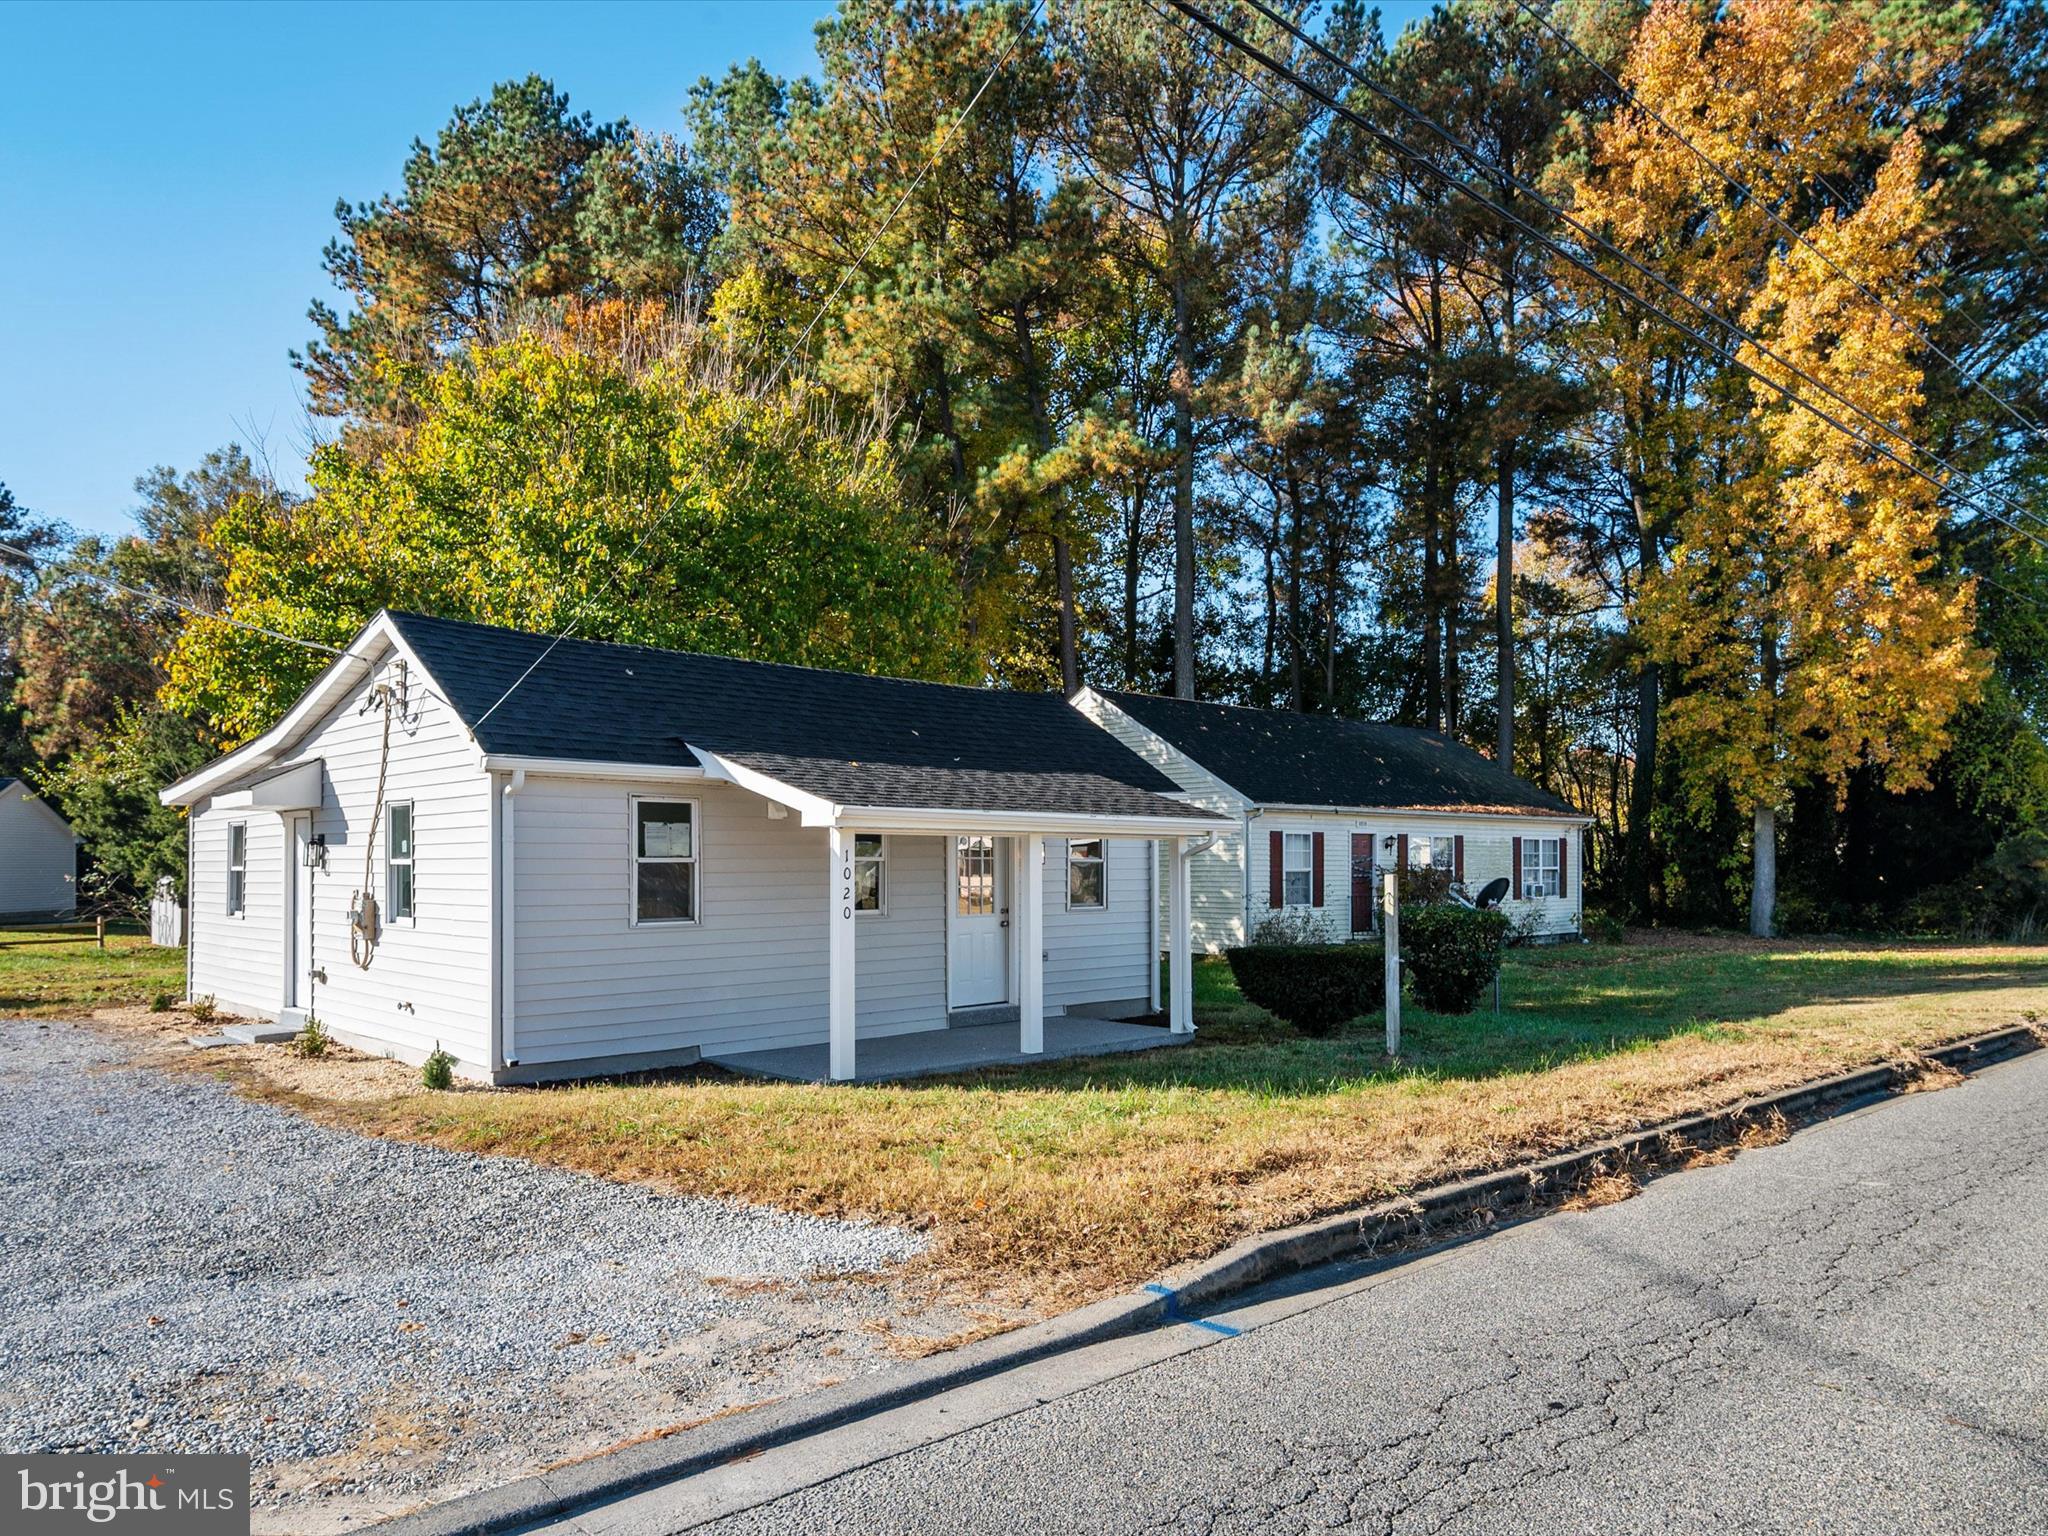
<point x="1788" y="586"/>
<point x="1804" y="604"/>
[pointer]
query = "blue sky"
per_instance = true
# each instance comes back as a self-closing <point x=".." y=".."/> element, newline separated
<point x="168" y="175"/>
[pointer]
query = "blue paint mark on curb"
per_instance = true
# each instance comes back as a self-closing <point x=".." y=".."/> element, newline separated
<point x="1174" y="1314"/>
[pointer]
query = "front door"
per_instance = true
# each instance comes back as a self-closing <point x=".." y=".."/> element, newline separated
<point x="978" y="945"/>
<point x="299" y="946"/>
<point x="1364" y="904"/>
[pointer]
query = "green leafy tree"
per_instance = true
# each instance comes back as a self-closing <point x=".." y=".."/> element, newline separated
<point x="549" y="486"/>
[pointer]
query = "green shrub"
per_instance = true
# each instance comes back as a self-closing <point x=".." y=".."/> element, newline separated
<point x="163" y="1002"/>
<point x="312" y="1038"/>
<point x="1314" y="987"/>
<point x="438" y="1070"/>
<point x="1602" y="927"/>
<point x="2006" y="896"/>
<point x="1290" y="925"/>
<point x="204" y="1009"/>
<point x="1452" y="952"/>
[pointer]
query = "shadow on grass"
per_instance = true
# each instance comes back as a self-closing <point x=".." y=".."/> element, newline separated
<point x="1559" y="1008"/>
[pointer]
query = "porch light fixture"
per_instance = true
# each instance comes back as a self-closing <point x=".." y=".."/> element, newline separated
<point x="316" y="851"/>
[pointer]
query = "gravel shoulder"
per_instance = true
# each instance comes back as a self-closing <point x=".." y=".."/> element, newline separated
<point x="379" y="1324"/>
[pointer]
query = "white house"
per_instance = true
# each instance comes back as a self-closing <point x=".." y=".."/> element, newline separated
<point x="589" y="858"/>
<point x="1317" y="804"/>
<point x="38" y="856"/>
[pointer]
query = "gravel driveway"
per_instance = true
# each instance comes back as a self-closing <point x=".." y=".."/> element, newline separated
<point x="376" y="1323"/>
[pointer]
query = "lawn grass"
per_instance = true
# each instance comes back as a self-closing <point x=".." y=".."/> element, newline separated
<point x="1045" y="1186"/>
<point x="59" y="972"/>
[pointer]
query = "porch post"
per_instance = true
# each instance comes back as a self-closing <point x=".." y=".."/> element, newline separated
<point x="839" y="953"/>
<point x="1180" y="1014"/>
<point x="1030" y="909"/>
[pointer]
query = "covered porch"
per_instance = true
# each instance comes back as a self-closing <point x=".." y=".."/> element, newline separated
<point x="995" y="939"/>
<point x="961" y="1048"/>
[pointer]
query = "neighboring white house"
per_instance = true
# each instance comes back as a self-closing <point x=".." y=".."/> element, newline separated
<point x="1317" y="804"/>
<point x="588" y="857"/>
<point x="38" y="857"/>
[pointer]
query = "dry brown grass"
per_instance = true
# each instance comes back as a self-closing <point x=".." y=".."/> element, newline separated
<point x="1046" y="1187"/>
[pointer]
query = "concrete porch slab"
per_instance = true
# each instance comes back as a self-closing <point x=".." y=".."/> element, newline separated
<point x="962" y="1048"/>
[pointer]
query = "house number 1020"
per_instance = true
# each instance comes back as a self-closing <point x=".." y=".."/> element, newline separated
<point x="846" y="888"/>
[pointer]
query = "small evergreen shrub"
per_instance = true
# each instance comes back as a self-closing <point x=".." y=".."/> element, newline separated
<point x="438" y="1070"/>
<point x="1453" y="953"/>
<point x="1314" y="987"/>
<point x="163" y="1002"/>
<point x="1290" y="925"/>
<point x="312" y="1039"/>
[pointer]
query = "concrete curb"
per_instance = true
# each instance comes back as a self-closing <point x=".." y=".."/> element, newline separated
<point x="546" y="1495"/>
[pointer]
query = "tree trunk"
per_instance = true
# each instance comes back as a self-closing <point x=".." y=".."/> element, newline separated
<point x="1638" y="853"/>
<point x="1503" y="605"/>
<point x="1183" y="494"/>
<point x="1134" y="569"/>
<point x="1070" y="655"/>
<point x="1763" y="889"/>
<point x="1296" y="700"/>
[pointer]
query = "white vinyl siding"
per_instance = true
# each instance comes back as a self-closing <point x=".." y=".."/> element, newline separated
<point x="38" y="856"/>
<point x="429" y="981"/>
<point x="1216" y="875"/>
<point x="1489" y="853"/>
<point x="1102" y="954"/>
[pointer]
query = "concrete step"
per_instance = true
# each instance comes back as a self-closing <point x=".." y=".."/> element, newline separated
<point x="259" y="1033"/>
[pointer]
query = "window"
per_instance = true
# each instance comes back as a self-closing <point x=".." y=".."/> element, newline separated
<point x="238" y="867"/>
<point x="1541" y="860"/>
<point x="664" y="861"/>
<point x="1298" y="869"/>
<point x="1433" y="853"/>
<point x="1085" y="886"/>
<point x="398" y="862"/>
<point x="974" y="876"/>
<point x="870" y="872"/>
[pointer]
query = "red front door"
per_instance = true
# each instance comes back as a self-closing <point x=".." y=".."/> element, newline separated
<point x="1362" y="904"/>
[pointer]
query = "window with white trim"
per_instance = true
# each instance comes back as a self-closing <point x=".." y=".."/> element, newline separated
<point x="1087" y="887"/>
<point x="1542" y="866"/>
<point x="238" y="868"/>
<point x="1433" y="853"/>
<point x="398" y="888"/>
<point x="870" y="872"/>
<point x="664" y="861"/>
<point x="1298" y="869"/>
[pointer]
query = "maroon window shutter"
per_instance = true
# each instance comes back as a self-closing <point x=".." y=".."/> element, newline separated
<point x="1515" y="875"/>
<point x="1564" y="859"/>
<point x="1318" y="881"/>
<point x="1275" y="873"/>
<point x="1401" y="851"/>
<point x="1458" y="858"/>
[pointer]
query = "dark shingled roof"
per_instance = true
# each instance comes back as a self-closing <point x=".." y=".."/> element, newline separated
<point x="1280" y="758"/>
<point x="851" y="739"/>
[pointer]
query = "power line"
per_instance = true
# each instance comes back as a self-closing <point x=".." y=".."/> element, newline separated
<point x="1454" y="183"/>
<point x="1498" y="174"/>
<point x="1776" y="218"/>
<point x="149" y="595"/>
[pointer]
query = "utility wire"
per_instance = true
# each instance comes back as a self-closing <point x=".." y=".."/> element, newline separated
<point x="1454" y="183"/>
<point x="1498" y="174"/>
<point x="1776" y="218"/>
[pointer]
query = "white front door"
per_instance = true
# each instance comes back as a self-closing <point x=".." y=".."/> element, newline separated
<point x="299" y="945"/>
<point x="978" y="946"/>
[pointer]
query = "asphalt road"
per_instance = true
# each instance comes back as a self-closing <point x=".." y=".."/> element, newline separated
<point x="1846" y="1332"/>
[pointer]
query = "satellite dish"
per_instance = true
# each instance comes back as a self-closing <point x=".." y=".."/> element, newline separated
<point x="1492" y="893"/>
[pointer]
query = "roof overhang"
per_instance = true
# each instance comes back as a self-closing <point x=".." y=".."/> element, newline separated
<point x="340" y="675"/>
<point x="591" y="768"/>
<point x="816" y="811"/>
<point x="1419" y="813"/>
<point x="296" y="788"/>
